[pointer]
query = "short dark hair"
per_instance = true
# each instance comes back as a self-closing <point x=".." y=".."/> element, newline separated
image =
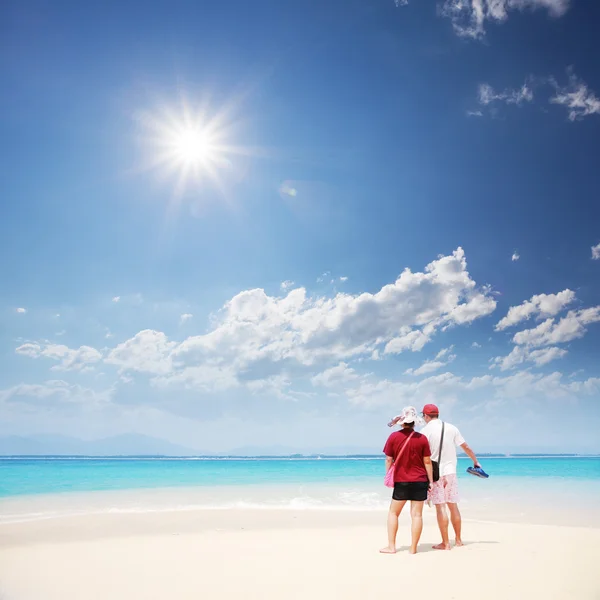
<point x="409" y="425"/>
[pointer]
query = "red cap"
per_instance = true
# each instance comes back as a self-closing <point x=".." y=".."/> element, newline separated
<point x="431" y="409"/>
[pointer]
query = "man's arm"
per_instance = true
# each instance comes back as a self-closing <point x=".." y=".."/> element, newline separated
<point x="467" y="450"/>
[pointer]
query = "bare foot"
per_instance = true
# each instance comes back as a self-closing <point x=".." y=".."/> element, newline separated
<point x="458" y="543"/>
<point x="412" y="551"/>
<point x="388" y="550"/>
<point x="442" y="546"/>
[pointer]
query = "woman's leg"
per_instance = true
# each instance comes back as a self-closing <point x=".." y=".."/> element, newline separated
<point x="392" y="525"/>
<point x="416" y="527"/>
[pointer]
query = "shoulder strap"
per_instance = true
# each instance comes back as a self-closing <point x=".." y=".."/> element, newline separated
<point x="441" y="444"/>
<point x="403" y="446"/>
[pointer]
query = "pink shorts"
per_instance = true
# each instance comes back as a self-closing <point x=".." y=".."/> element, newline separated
<point x="445" y="490"/>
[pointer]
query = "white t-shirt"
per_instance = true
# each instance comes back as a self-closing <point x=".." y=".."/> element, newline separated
<point x="452" y="439"/>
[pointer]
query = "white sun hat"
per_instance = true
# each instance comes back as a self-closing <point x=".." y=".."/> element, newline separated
<point x="408" y="415"/>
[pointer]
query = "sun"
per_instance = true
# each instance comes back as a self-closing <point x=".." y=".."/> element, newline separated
<point x="191" y="147"/>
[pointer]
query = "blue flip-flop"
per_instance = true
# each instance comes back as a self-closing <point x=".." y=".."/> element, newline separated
<point x="478" y="472"/>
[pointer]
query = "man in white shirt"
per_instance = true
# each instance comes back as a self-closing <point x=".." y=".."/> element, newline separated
<point x="444" y="492"/>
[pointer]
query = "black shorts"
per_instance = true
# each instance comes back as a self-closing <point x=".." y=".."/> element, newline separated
<point x="412" y="490"/>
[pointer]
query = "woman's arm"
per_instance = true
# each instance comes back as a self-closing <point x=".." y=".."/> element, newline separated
<point x="428" y="468"/>
<point x="389" y="461"/>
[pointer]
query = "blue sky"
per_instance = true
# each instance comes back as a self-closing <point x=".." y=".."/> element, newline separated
<point x="377" y="185"/>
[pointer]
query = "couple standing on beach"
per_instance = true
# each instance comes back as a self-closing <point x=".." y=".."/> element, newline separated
<point x="419" y="478"/>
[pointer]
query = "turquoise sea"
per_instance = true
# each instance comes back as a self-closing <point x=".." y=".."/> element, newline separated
<point x="49" y="486"/>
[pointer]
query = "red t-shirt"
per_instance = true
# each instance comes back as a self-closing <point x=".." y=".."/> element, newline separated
<point x="410" y="467"/>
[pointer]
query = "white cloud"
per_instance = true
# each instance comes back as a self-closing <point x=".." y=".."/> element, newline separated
<point x="341" y="373"/>
<point x="540" y="305"/>
<point x="54" y="392"/>
<point x="401" y="2"/>
<point x="515" y="256"/>
<point x="596" y="252"/>
<point x="539" y="344"/>
<point x="69" y="359"/>
<point x="469" y="17"/>
<point x="429" y="366"/>
<point x="412" y="340"/>
<point x="116" y="299"/>
<point x="577" y="98"/>
<point x="446" y="388"/>
<point x="148" y="351"/>
<point x="21" y="310"/>
<point x="343" y="279"/>
<point x="286" y="285"/>
<point x="185" y="317"/>
<point x="474" y="113"/>
<point x="522" y="354"/>
<point x="444" y="352"/>
<point x="487" y="95"/>
<point x="475" y="345"/>
<point x="257" y="336"/>
<point x="570" y="327"/>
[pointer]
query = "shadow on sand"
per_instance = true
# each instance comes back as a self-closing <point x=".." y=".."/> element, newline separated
<point x="423" y="547"/>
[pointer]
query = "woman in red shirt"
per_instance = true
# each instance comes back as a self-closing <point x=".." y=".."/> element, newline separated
<point x="409" y="453"/>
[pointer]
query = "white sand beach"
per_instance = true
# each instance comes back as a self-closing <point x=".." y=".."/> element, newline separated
<point x="281" y="554"/>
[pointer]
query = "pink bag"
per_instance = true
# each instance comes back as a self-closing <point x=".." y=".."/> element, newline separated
<point x="389" y="476"/>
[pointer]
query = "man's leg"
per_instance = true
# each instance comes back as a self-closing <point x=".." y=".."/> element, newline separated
<point x="392" y="525"/>
<point x="456" y="522"/>
<point x="438" y="497"/>
<point x="416" y="524"/>
<point x="442" y="519"/>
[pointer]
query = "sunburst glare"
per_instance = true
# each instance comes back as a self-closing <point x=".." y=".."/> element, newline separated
<point x="191" y="147"/>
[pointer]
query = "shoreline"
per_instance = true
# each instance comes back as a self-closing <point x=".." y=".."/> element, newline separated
<point x="520" y="506"/>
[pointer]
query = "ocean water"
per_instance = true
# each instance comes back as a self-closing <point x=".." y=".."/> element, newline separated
<point x="518" y="488"/>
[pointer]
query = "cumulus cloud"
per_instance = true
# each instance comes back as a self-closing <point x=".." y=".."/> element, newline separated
<point x="475" y="345"/>
<point x="570" y="327"/>
<point x="286" y="285"/>
<point x="539" y="344"/>
<point x="256" y="336"/>
<point x="116" y="299"/>
<point x="540" y="305"/>
<point x="69" y="359"/>
<point x="343" y="279"/>
<point x="522" y="354"/>
<point x="148" y="351"/>
<point x="185" y="317"/>
<point x="579" y="100"/>
<point x="21" y="310"/>
<point x="596" y="252"/>
<point x="469" y="17"/>
<point x="515" y="256"/>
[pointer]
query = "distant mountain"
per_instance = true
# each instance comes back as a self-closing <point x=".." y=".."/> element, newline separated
<point x="141" y="445"/>
<point x="119" y="445"/>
